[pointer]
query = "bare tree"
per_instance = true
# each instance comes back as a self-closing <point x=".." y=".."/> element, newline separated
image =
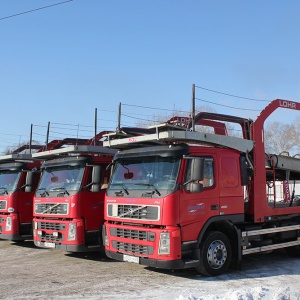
<point x="281" y="137"/>
<point x="23" y="148"/>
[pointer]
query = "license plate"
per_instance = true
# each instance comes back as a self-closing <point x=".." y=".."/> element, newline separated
<point x="49" y="245"/>
<point x="130" y="258"/>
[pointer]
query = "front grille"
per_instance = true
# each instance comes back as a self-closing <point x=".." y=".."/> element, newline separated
<point x="138" y="212"/>
<point x="50" y="237"/>
<point x="50" y="226"/>
<point x="133" y="248"/>
<point x="51" y="208"/>
<point x="133" y="234"/>
<point x="3" y="205"/>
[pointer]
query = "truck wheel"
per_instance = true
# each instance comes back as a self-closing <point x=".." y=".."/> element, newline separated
<point x="215" y="254"/>
<point x="293" y="251"/>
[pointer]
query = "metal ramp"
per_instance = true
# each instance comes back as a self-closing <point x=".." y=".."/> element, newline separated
<point x="74" y="150"/>
<point x="15" y="157"/>
<point x="180" y="136"/>
<point x="286" y="167"/>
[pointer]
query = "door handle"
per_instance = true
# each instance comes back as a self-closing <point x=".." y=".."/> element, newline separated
<point x="214" y="207"/>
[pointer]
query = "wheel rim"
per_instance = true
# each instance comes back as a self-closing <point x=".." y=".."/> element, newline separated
<point x="216" y="254"/>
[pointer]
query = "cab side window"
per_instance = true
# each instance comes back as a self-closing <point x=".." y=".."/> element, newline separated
<point x="208" y="180"/>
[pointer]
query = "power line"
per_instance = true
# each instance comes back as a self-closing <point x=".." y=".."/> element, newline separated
<point x="106" y="120"/>
<point x="227" y="105"/>
<point x="134" y="118"/>
<point x="157" y="108"/>
<point x="37" y="125"/>
<point x="33" y="10"/>
<point x="75" y="125"/>
<point x="252" y="99"/>
<point x="70" y="129"/>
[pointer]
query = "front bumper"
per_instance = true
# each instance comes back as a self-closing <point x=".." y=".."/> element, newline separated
<point x="69" y="248"/>
<point x="149" y="262"/>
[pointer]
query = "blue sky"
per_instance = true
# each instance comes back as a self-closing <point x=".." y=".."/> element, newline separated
<point x="60" y="63"/>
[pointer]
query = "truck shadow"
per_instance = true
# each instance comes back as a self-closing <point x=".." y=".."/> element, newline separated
<point x="277" y="263"/>
<point x="24" y="244"/>
<point x="92" y="255"/>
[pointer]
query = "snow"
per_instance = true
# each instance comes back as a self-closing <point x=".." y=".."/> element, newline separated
<point x="28" y="272"/>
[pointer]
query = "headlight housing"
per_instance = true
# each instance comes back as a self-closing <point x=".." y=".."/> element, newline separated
<point x="105" y="236"/>
<point x="72" y="232"/>
<point x="164" y="243"/>
<point x="8" y="225"/>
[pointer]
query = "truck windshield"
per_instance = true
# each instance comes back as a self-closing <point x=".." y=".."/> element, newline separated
<point x="8" y="181"/>
<point x="66" y="180"/>
<point x="153" y="175"/>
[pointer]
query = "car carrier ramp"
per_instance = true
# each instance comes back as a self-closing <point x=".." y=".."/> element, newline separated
<point x="290" y="164"/>
<point x="179" y="136"/>
<point x="15" y="157"/>
<point x="74" y="150"/>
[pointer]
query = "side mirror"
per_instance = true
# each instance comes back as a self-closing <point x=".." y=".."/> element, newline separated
<point x="28" y="182"/>
<point x="197" y="169"/>
<point x="196" y="187"/>
<point x="197" y="175"/>
<point x="96" y="178"/>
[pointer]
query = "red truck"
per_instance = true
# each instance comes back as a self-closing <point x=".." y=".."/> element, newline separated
<point x="17" y="186"/>
<point x="179" y="198"/>
<point x="19" y="176"/>
<point x="68" y="203"/>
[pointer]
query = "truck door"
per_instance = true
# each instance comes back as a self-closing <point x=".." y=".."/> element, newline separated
<point x="231" y="190"/>
<point x="196" y="208"/>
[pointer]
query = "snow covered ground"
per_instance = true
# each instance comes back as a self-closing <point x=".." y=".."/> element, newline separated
<point x="31" y="273"/>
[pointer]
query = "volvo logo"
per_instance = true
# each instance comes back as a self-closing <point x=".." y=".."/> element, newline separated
<point x="130" y="211"/>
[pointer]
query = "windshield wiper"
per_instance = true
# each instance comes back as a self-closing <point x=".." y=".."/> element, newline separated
<point x="44" y="193"/>
<point x="4" y="190"/>
<point x="151" y="185"/>
<point x="123" y="187"/>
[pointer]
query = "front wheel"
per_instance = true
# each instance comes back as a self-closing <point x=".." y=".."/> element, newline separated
<point x="215" y="254"/>
<point x="293" y="251"/>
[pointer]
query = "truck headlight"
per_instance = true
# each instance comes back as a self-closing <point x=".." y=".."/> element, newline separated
<point x="72" y="232"/>
<point x="8" y="224"/>
<point x="105" y="236"/>
<point x="164" y="243"/>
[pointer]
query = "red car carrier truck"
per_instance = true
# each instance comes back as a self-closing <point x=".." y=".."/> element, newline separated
<point x="68" y="203"/>
<point x="179" y="198"/>
<point x="19" y="176"/>
<point x="17" y="186"/>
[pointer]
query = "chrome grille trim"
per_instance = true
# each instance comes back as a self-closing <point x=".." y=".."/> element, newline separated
<point x="133" y="248"/>
<point x="133" y="234"/>
<point x="134" y="212"/>
<point x="50" y="237"/>
<point x="51" y="208"/>
<point x="50" y="226"/>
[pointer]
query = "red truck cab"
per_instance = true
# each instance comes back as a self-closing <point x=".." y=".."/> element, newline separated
<point x="68" y="203"/>
<point x="152" y="219"/>
<point x="18" y="181"/>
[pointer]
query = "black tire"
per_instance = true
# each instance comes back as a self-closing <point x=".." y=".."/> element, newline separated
<point x="293" y="251"/>
<point x="215" y="254"/>
<point x="100" y="240"/>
